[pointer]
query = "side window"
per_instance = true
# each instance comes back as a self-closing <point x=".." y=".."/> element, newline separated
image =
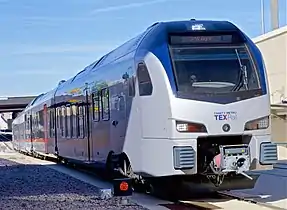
<point x="81" y="121"/>
<point x="27" y="126"/>
<point x="68" y="122"/>
<point x="96" y="106"/>
<point x="63" y="122"/>
<point x="105" y="104"/>
<point x="51" y="122"/>
<point x="74" y="121"/>
<point x="85" y="128"/>
<point x="49" y="113"/>
<point x="37" y="123"/>
<point x="145" y="84"/>
<point x="40" y="123"/>
<point x="59" y="121"/>
<point x="32" y="126"/>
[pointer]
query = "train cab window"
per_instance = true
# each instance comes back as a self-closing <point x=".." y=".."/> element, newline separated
<point x="212" y="67"/>
<point x="144" y="80"/>
<point x="96" y="106"/>
<point x="105" y="104"/>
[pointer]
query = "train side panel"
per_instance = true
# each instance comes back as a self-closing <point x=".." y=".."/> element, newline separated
<point x="71" y="122"/>
<point x="152" y="112"/>
<point x="39" y="124"/>
<point x="22" y="133"/>
<point x="111" y="113"/>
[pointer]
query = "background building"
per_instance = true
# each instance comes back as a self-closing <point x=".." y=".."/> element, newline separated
<point x="273" y="46"/>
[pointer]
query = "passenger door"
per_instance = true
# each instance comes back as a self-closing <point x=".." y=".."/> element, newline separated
<point x="100" y="125"/>
<point x="118" y="117"/>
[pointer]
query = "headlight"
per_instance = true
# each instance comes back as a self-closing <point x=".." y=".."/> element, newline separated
<point x="261" y="123"/>
<point x="189" y="127"/>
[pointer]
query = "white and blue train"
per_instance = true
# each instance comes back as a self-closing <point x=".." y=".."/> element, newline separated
<point x="184" y="99"/>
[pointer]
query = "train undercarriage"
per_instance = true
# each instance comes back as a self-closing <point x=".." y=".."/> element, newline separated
<point x="220" y="167"/>
<point x="222" y="164"/>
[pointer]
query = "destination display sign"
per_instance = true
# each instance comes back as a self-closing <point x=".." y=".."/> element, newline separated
<point x="218" y="39"/>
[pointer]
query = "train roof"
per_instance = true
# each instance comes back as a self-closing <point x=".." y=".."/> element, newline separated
<point x="134" y="43"/>
<point x="43" y="97"/>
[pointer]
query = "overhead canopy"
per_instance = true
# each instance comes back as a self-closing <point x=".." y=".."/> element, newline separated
<point x="14" y="104"/>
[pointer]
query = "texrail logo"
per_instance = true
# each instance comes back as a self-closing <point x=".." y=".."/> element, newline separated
<point x="225" y="116"/>
<point x="198" y="27"/>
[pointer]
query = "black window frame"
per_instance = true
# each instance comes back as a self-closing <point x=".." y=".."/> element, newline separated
<point x="220" y="98"/>
<point x="143" y="84"/>
<point x="108" y="105"/>
<point x="98" y="113"/>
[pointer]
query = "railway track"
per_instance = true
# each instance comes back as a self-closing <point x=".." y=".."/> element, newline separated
<point x="208" y="201"/>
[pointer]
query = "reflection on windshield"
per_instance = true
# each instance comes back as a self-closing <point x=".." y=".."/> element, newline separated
<point x="214" y="69"/>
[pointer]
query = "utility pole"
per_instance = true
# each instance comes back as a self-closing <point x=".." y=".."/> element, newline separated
<point x="274" y="14"/>
<point x="262" y="17"/>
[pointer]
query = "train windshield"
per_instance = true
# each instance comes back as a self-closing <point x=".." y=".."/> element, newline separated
<point x="214" y="68"/>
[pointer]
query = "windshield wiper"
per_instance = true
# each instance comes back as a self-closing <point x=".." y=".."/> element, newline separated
<point x="243" y="74"/>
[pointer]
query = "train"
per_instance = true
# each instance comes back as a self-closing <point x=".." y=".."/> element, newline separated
<point x="184" y="100"/>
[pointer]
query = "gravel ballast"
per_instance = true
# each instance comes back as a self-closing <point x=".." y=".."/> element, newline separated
<point x="39" y="187"/>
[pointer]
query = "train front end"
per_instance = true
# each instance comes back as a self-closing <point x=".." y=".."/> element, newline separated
<point x="219" y="124"/>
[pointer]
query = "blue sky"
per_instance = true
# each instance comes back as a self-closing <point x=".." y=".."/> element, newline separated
<point x="44" y="41"/>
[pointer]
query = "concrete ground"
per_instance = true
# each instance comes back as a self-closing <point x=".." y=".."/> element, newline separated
<point x="29" y="183"/>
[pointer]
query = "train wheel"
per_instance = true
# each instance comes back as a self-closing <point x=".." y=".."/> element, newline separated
<point x="126" y="170"/>
<point x="59" y="159"/>
<point x="125" y="166"/>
